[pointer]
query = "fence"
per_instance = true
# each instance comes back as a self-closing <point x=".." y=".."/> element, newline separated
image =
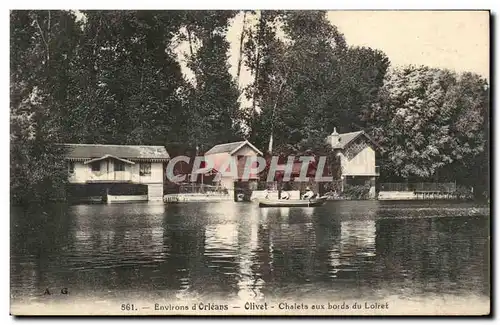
<point x="418" y="187"/>
<point x="201" y="188"/>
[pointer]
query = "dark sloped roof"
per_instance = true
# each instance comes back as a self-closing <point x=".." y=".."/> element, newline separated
<point x="230" y="147"/>
<point x="122" y="151"/>
<point x="225" y="147"/>
<point x="346" y="138"/>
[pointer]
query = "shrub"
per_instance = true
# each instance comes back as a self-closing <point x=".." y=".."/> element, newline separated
<point x="356" y="192"/>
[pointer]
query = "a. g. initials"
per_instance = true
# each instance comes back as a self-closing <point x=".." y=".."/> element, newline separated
<point x="64" y="291"/>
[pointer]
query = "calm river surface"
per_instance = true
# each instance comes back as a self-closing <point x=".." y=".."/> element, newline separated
<point x="346" y="249"/>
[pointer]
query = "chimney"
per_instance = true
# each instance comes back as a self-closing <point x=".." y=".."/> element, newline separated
<point x="335" y="139"/>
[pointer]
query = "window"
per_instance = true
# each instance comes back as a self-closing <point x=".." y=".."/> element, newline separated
<point x="241" y="161"/>
<point x="96" y="166"/>
<point x="145" y="169"/>
<point x="119" y="166"/>
<point x="71" y="167"/>
<point x="355" y="149"/>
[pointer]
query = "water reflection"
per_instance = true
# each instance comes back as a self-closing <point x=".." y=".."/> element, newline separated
<point x="232" y="249"/>
<point x="103" y="233"/>
<point x="435" y="253"/>
<point x="250" y="280"/>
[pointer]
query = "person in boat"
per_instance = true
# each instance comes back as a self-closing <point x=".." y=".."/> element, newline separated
<point x="285" y="195"/>
<point x="309" y="194"/>
<point x="266" y="193"/>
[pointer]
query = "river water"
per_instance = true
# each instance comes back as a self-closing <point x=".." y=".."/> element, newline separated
<point x="228" y="250"/>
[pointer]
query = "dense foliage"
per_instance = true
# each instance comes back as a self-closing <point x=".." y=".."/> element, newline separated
<point x="356" y="192"/>
<point x="433" y="124"/>
<point x="115" y="77"/>
<point x="43" y="53"/>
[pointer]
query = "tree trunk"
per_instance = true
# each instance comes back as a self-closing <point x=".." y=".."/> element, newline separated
<point x="190" y="43"/>
<point x="257" y="61"/>
<point x="242" y="38"/>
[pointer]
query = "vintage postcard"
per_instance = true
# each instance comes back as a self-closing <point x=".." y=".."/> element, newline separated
<point x="249" y="162"/>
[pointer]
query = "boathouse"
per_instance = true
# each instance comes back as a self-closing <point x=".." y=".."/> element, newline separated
<point x="239" y="152"/>
<point x="116" y="172"/>
<point x="357" y="153"/>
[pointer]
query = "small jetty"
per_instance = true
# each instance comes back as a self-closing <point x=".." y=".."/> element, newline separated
<point x="418" y="191"/>
<point x="199" y="193"/>
<point x="196" y="197"/>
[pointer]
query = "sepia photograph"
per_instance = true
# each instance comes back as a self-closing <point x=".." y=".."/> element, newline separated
<point x="250" y="162"/>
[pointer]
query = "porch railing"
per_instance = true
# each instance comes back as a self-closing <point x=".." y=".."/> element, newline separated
<point x="202" y="188"/>
<point x="111" y="176"/>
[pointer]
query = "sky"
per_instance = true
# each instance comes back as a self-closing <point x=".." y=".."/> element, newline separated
<point x="457" y="40"/>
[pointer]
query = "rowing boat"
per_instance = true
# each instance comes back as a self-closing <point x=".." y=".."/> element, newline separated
<point x="266" y="203"/>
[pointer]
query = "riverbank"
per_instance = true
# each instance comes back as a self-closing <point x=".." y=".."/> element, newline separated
<point x="415" y="195"/>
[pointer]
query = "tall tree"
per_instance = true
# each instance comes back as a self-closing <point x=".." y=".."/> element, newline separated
<point x="133" y="89"/>
<point x="431" y="122"/>
<point x="362" y="71"/>
<point x="43" y="49"/>
<point x="296" y="75"/>
<point x="468" y="102"/>
<point x="213" y="101"/>
<point x="262" y="52"/>
<point x="307" y="80"/>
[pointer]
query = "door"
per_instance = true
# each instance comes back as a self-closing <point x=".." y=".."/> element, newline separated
<point x="119" y="170"/>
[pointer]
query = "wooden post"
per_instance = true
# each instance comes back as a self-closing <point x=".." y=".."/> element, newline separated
<point x="279" y="189"/>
